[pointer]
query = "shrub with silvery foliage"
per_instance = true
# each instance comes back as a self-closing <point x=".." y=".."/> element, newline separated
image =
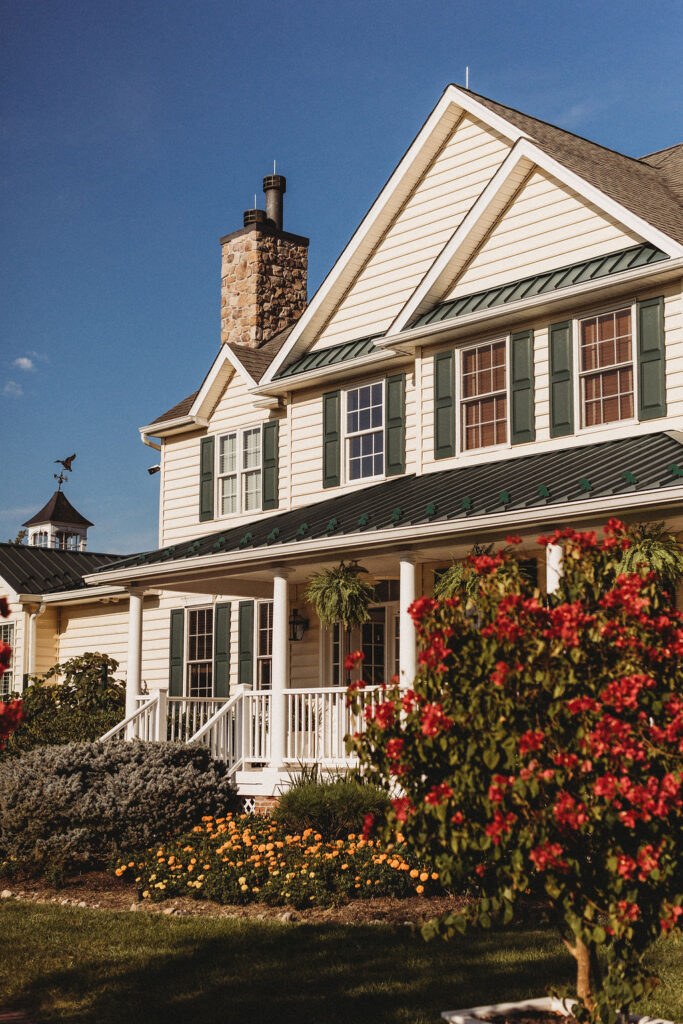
<point x="77" y="805"/>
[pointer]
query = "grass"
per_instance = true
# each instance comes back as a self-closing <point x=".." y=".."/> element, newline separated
<point x="88" y="966"/>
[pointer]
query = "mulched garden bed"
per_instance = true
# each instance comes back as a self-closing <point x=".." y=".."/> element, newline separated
<point x="102" y="891"/>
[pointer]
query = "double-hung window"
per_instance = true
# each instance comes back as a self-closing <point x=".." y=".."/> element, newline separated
<point x="484" y="395"/>
<point x="7" y="679"/>
<point x="239" y="471"/>
<point x="365" y="432"/>
<point x="199" y="665"/>
<point x="606" y="354"/>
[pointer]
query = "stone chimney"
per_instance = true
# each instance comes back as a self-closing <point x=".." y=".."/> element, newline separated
<point x="263" y="273"/>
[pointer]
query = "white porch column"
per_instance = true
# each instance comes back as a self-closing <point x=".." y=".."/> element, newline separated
<point x="407" y="648"/>
<point x="280" y="669"/>
<point x="553" y="567"/>
<point x="134" y="663"/>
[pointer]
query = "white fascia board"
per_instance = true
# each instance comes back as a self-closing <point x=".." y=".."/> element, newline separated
<point x="179" y="425"/>
<point x="410" y="168"/>
<point x="402" y="537"/>
<point x="217" y="378"/>
<point x="478" y="221"/>
<point x="84" y="596"/>
<point x="349" y="368"/>
<point x="426" y="333"/>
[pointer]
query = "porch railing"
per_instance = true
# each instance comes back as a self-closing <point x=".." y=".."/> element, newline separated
<point x="142" y="724"/>
<point x="317" y="722"/>
<point x="187" y="715"/>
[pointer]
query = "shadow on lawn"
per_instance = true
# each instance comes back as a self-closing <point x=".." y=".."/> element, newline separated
<point x="296" y="975"/>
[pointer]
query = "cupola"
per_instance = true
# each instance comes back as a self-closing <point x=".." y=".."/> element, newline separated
<point x="58" y="525"/>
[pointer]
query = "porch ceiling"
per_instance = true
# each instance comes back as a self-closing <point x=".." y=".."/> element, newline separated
<point x="409" y="511"/>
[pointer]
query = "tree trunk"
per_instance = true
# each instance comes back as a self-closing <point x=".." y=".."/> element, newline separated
<point x="586" y="971"/>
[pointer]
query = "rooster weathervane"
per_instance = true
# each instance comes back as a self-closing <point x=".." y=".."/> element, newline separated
<point x="66" y="464"/>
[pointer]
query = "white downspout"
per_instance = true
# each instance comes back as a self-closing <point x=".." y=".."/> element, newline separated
<point x="32" y="637"/>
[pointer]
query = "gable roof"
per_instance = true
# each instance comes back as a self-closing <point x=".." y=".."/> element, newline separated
<point x="670" y="163"/>
<point x="58" y="510"/>
<point x="606" y="469"/>
<point x="34" y="570"/>
<point x="634" y="186"/>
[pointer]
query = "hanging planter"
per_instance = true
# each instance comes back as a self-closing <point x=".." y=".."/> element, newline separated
<point x="339" y="595"/>
<point x="658" y="550"/>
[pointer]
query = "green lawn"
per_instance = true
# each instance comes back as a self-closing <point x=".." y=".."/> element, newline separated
<point x="98" y="967"/>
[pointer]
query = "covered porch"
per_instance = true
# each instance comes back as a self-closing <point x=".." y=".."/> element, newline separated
<point x="270" y="704"/>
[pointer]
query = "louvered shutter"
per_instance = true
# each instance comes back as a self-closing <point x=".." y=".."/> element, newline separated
<point x="561" y="380"/>
<point x="270" y="475"/>
<point x="522" y="379"/>
<point x="331" y="439"/>
<point x="245" y="661"/>
<point x="206" y="471"/>
<point x="176" y="652"/>
<point x="395" y="426"/>
<point x="444" y="405"/>
<point x="651" y="359"/>
<point x="221" y="651"/>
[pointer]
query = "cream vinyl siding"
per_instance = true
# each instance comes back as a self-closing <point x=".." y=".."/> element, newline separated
<point x="179" y="505"/>
<point x="307" y="437"/>
<point x="19" y="620"/>
<point x="673" y="327"/>
<point x="546" y="225"/>
<point x="46" y="640"/>
<point x="459" y="173"/>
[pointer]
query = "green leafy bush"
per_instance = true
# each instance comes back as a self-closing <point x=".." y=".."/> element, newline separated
<point x="333" y="808"/>
<point x="252" y="859"/>
<point x="76" y="701"/>
<point x="77" y="805"/>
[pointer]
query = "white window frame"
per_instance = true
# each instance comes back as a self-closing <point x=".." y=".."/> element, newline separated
<point x="461" y="400"/>
<point x="241" y="473"/>
<point x="261" y="659"/>
<point x="579" y="428"/>
<point x="186" y="650"/>
<point x="8" y="633"/>
<point x="346" y="436"/>
<point x="391" y="636"/>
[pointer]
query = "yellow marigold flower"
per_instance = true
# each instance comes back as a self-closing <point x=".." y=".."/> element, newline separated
<point x="152" y="878"/>
<point x="193" y="860"/>
<point x="435" y="875"/>
<point x="357" y="885"/>
<point x="368" y="882"/>
<point x="207" y="867"/>
<point x="198" y="828"/>
<point x="414" y="873"/>
<point x="145" y="895"/>
<point x="242" y="880"/>
<point x="131" y="864"/>
<point x="424" y="876"/>
<point x="207" y="817"/>
<point x="419" y="889"/>
<point x="345" y="867"/>
<point x="244" y="888"/>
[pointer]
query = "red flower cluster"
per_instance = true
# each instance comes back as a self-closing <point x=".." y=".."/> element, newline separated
<point x="548" y="855"/>
<point x="403" y="807"/>
<point x="501" y="825"/>
<point x="438" y="794"/>
<point x="11" y="715"/>
<point x="353" y="659"/>
<point x="531" y="740"/>
<point x="381" y="714"/>
<point x="569" y="813"/>
<point x="434" y="720"/>
<point x="421" y="608"/>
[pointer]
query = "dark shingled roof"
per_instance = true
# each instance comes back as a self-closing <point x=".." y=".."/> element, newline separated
<point x="670" y="163"/>
<point x="607" y="469"/>
<point x="33" y="570"/>
<point x="181" y="409"/>
<point x="636" y="184"/>
<point x="58" y="510"/>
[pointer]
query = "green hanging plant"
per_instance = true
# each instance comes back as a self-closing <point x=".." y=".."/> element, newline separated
<point x="658" y="550"/>
<point x="457" y="579"/>
<point x="340" y="595"/>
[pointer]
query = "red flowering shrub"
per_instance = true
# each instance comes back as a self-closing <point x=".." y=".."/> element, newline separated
<point x="541" y="745"/>
<point x="11" y="713"/>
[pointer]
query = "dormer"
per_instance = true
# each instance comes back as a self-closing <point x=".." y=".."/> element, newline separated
<point x="58" y="525"/>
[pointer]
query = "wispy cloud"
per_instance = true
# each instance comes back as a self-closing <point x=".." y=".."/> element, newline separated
<point x="24" y="363"/>
<point x="12" y="389"/>
<point x="39" y="356"/>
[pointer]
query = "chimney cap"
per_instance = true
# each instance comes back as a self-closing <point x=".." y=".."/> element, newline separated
<point x="253" y="217"/>
<point x="275" y="181"/>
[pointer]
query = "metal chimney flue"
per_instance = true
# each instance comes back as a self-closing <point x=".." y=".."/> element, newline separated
<point x="254" y="217"/>
<point x="274" y="186"/>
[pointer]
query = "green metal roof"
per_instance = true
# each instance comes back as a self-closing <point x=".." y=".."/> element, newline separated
<point x="540" y="284"/>
<point x="329" y="356"/>
<point x="607" y="469"/>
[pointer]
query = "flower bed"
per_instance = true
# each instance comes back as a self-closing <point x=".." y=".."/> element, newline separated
<point x="250" y="858"/>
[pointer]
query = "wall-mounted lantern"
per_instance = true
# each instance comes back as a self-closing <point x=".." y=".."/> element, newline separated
<point x="297" y="626"/>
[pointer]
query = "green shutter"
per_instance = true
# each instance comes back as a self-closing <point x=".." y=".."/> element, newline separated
<point x="271" y="467"/>
<point x="561" y="380"/>
<point x="395" y="426"/>
<point x="444" y="406"/>
<point x="331" y="439"/>
<point x="245" y="663"/>
<point x="651" y="359"/>
<point x="206" y="479"/>
<point x="176" y="650"/>
<point x="522" y="377"/>
<point x="221" y="651"/>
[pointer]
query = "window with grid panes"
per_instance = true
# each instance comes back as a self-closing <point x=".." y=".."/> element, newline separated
<point x="239" y="471"/>
<point x="200" y="652"/>
<point x="484" y="396"/>
<point x="7" y="678"/>
<point x="606" y="368"/>
<point x="264" y="644"/>
<point x="373" y="646"/>
<point x="365" y="431"/>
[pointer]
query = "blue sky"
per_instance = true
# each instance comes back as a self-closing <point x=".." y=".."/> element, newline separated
<point x="135" y="132"/>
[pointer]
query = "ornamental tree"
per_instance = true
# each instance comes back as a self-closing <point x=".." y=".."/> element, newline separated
<point x="540" y="749"/>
